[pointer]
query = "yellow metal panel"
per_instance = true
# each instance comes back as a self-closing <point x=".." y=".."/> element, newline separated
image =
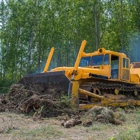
<point x="134" y="78"/>
<point x="134" y="73"/>
<point x="75" y="94"/>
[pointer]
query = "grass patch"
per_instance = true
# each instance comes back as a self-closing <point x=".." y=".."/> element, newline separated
<point x="131" y="134"/>
<point x="99" y="127"/>
<point x="42" y="133"/>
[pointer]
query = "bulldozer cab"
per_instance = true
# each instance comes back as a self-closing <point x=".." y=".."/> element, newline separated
<point x="116" y="64"/>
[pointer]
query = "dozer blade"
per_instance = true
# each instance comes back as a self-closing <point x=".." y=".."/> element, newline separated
<point x="46" y="82"/>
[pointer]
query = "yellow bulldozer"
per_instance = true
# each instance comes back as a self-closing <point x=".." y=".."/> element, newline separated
<point x="101" y="78"/>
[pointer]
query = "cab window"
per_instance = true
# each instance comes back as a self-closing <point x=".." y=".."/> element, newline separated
<point x="106" y="59"/>
<point x="97" y="60"/>
<point x="125" y="63"/>
<point x="85" y="61"/>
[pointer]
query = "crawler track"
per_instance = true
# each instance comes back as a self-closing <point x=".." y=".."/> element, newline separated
<point x="116" y="91"/>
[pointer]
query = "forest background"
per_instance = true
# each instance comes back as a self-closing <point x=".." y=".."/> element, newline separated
<point x="29" y="28"/>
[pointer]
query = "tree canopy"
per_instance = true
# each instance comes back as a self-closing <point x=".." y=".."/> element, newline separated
<point x="29" y="28"/>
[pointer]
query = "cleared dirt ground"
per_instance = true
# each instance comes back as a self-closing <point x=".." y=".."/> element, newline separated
<point x="22" y="127"/>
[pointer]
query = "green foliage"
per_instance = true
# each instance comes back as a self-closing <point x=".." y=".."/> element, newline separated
<point x="64" y="102"/>
<point x="5" y="85"/>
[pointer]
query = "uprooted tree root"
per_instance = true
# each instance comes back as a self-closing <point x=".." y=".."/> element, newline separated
<point x="24" y="100"/>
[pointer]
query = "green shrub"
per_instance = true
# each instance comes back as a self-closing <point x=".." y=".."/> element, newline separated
<point x="5" y="85"/>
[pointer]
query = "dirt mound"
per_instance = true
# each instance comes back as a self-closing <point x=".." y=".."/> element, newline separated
<point x="96" y="114"/>
<point x="24" y="100"/>
<point x="103" y="115"/>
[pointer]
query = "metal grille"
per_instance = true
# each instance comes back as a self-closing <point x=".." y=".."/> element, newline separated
<point x="125" y="74"/>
